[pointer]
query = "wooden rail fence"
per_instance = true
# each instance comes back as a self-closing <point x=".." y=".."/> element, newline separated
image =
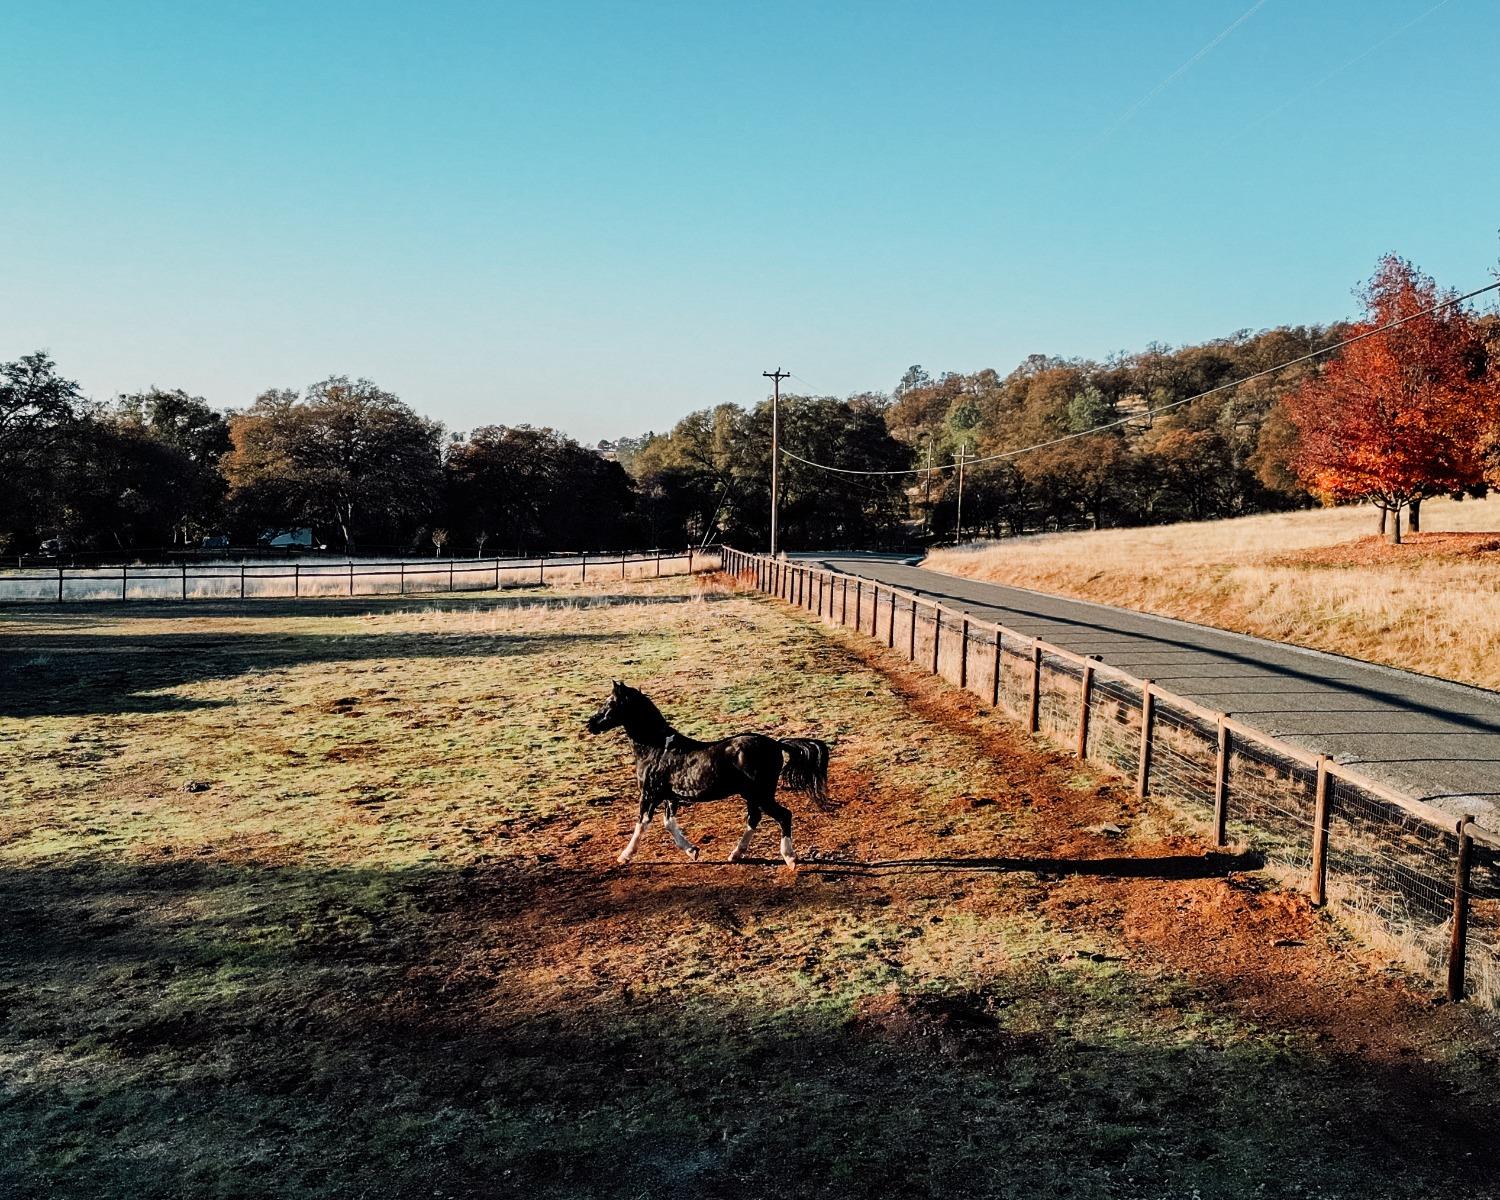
<point x="1422" y="883"/>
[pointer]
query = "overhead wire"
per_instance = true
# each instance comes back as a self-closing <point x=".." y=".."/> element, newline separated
<point x="1161" y="408"/>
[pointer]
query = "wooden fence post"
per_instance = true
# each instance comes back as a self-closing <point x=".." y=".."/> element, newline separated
<point x="995" y="673"/>
<point x="1034" y="711"/>
<point x="1458" y="942"/>
<point x="1221" y="787"/>
<point x="859" y="600"/>
<point x="124" y="572"/>
<point x="963" y="653"/>
<point x="890" y="633"/>
<point x="296" y="579"/>
<point x="911" y="653"/>
<point x="60" y="584"/>
<point x="658" y="564"/>
<point x="583" y="568"/>
<point x="1085" y="698"/>
<point x="242" y="580"/>
<point x="1148" y="711"/>
<point x="184" y="579"/>
<point x="875" y="612"/>
<point x="937" y="635"/>
<point x="1320" y="835"/>
<point x="623" y="558"/>
<point x="737" y="559"/>
<point x="402" y="585"/>
<point x="844" y="604"/>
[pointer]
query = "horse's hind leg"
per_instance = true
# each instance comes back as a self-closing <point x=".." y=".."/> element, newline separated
<point x="669" y="819"/>
<point x="752" y="819"/>
<point x="782" y="815"/>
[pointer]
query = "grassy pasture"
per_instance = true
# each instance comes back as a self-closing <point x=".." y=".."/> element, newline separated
<point x="1320" y="578"/>
<point x="319" y="901"/>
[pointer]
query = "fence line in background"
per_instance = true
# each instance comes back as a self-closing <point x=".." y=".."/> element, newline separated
<point x="1421" y="883"/>
<point x="299" y="580"/>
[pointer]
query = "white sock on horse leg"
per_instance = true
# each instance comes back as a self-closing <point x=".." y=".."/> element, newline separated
<point x="786" y="852"/>
<point x="742" y="845"/>
<point x="683" y="844"/>
<point x="635" y="838"/>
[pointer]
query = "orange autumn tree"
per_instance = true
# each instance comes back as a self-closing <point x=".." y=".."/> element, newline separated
<point x="1403" y="414"/>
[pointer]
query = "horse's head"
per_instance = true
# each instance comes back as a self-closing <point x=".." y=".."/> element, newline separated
<point x="614" y="710"/>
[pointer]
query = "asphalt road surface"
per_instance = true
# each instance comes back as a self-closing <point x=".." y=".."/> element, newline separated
<point x="1435" y="740"/>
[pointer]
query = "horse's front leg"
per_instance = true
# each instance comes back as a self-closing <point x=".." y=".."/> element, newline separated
<point x="669" y="819"/>
<point x="643" y="818"/>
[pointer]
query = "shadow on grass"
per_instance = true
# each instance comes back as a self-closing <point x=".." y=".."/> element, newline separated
<point x="91" y="612"/>
<point x="1213" y="865"/>
<point x="75" y="674"/>
<point x="213" y="1029"/>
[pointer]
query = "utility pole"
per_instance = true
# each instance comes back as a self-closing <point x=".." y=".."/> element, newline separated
<point x="775" y="377"/>
<point x="927" y="488"/>
<point x="962" y="456"/>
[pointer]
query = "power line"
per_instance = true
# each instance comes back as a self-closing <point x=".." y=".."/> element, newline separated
<point x="1151" y="412"/>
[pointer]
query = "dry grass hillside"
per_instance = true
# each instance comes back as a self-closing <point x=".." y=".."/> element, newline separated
<point x="1320" y="579"/>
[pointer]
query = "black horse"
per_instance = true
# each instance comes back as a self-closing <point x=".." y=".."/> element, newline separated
<point x="674" y="769"/>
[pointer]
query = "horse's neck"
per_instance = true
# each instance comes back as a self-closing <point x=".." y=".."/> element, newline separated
<point x="649" y="731"/>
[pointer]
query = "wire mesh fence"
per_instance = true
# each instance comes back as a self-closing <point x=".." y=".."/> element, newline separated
<point x="1113" y="734"/>
<point x="1183" y="757"/>
<point x="1395" y="871"/>
<point x="1413" y="882"/>
<point x="1058" y="697"/>
<point x="1483" y="965"/>
<point x="338" y="577"/>
<point x="1270" y="803"/>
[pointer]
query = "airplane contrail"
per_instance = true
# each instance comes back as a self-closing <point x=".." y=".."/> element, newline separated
<point x="1182" y="70"/>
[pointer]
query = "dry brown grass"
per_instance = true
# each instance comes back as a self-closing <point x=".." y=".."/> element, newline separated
<point x="1432" y="605"/>
<point x="319" y="900"/>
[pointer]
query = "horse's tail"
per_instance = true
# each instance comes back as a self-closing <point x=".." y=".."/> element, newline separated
<point x="806" y="768"/>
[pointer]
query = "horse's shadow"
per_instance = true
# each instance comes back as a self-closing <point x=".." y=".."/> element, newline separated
<point x="1213" y="865"/>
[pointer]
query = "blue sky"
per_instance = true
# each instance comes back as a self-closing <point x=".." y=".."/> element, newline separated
<point x="601" y="216"/>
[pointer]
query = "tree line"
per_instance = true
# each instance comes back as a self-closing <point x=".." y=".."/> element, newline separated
<point x="1160" y="435"/>
<point x="343" y="457"/>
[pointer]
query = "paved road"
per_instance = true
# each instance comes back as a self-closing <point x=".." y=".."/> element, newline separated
<point x="1432" y="739"/>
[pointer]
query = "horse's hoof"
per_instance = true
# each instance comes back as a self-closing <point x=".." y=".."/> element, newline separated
<point x="791" y="862"/>
<point x="735" y="855"/>
<point x="693" y="854"/>
<point x="623" y="859"/>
